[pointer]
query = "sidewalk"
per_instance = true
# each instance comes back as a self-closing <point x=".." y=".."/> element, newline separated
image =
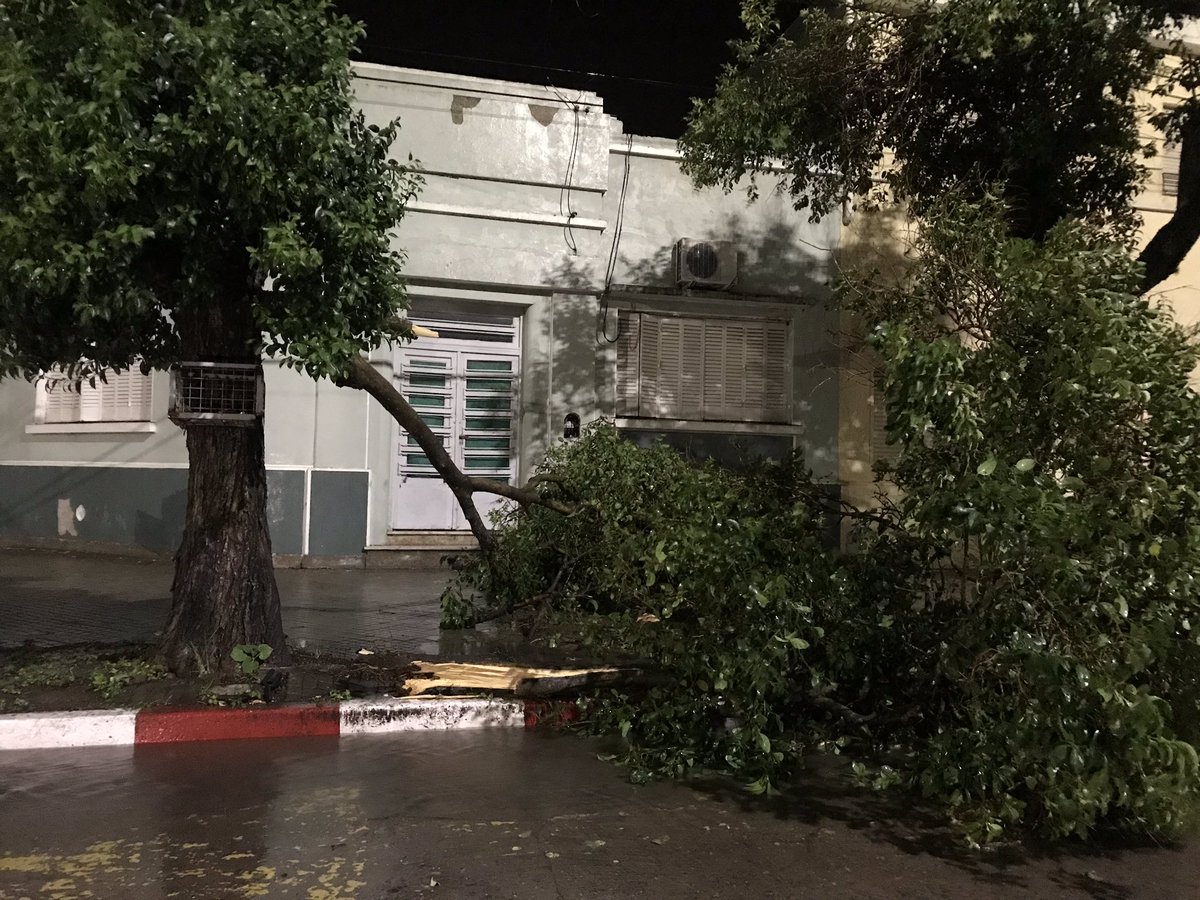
<point x="54" y="598"/>
<point x="50" y="599"/>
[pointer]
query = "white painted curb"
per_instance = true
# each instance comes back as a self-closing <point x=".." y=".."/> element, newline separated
<point x="80" y="728"/>
<point x="386" y="714"/>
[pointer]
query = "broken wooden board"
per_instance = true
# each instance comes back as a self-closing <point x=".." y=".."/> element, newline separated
<point x="521" y="681"/>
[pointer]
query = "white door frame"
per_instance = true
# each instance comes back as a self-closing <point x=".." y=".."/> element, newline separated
<point x="431" y="494"/>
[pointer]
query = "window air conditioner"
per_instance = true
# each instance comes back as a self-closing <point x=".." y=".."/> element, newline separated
<point x="708" y="264"/>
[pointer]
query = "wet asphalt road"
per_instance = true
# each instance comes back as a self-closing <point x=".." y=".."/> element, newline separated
<point x="495" y="813"/>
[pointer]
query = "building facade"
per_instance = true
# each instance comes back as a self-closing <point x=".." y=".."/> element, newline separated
<point x="571" y="271"/>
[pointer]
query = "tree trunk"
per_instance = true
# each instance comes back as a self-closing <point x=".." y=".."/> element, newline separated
<point x="1167" y="249"/>
<point x="224" y="592"/>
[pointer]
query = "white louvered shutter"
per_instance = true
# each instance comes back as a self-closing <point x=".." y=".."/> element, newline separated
<point x="628" y="368"/>
<point x="126" y="397"/>
<point x="691" y="369"/>
<point x="668" y="367"/>
<point x="91" y="401"/>
<point x="704" y="369"/>
<point x="676" y="359"/>
<point x="777" y="373"/>
<point x="716" y="380"/>
<point x="746" y="371"/>
<point x="648" y="362"/>
<point x="60" y="400"/>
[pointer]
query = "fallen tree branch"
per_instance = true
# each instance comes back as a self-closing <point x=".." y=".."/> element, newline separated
<point x="365" y="377"/>
<point x="838" y="710"/>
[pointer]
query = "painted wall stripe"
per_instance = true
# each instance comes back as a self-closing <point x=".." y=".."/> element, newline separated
<point x="174" y="726"/>
<point x="82" y="728"/>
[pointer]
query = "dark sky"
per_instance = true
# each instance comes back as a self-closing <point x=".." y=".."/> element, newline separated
<point x="645" y="58"/>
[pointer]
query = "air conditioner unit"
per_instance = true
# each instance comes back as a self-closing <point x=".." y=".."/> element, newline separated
<point x="710" y="264"/>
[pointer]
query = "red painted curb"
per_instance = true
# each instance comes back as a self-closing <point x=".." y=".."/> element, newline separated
<point x="172" y="726"/>
<point x="555" y="713"/>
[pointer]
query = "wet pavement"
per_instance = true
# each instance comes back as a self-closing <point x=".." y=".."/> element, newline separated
<point x="54" y="598"/>
<point x="493" y="813"/>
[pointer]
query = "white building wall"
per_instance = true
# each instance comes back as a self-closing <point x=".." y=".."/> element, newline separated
<point x="523" y="185"/>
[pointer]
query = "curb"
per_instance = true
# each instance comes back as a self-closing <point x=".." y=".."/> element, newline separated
<point x="130" y="727"/>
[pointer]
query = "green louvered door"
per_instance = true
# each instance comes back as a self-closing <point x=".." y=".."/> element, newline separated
<point x="468" y="398"/>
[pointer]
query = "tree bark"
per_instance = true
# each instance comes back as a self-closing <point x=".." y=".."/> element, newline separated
<point x="224" y="593"/>
<point x="1167" y="249"/>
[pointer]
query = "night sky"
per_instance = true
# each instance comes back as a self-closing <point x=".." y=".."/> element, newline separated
<point x="645" y="58"/>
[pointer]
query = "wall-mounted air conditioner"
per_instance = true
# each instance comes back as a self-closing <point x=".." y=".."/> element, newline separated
<point x="708" y="264"/>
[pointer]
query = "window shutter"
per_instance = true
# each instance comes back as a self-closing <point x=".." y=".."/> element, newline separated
<point x="667" y="397"/>
<point x="881" y="449"/>
<point x="716" y="379"/>
<point x="126" y="397"/>
<point x="61" y="402"/>
<point x="746" y="371"/>
<point x="703" y="369"/>
<point x="777" y="373"/>
<point x="91" y="401"/>
<point x="1170" y="170"/>
<point x="628" y="369"/>
<point x="648" y="363"/>
<point x="678" y="362"/>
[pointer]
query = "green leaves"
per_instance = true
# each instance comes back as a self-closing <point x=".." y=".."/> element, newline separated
<point x="710" y="576"/>
<point x="1056" y="646"/>
<point x="163" y="161"/>
<point x="947" y="91"/>
<point x="250" y="657"/>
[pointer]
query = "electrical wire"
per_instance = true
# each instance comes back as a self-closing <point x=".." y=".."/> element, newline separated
<point x="564" y="193"/>
<point x="611" y="269"/>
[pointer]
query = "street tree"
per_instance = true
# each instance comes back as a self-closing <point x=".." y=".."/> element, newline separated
<point x="189" y="181"/>
<point x="933" y="95"/>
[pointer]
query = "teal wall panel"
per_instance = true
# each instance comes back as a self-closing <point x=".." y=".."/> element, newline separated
<point x="144" y="507"/>
<point x="337" y="516"/>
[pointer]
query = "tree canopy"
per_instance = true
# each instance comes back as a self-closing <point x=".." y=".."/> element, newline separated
<point x="163" y="162"/>
<point x="190" y="181"/>
<point x="933" y="95"/>
<point x="1015" y="637"/>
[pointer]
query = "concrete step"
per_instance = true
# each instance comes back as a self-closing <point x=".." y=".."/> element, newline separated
<point x="388" y="557"/>
<point x="431" y="540"/>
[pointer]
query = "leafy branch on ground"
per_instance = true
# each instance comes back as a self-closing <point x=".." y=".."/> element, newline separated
<point x="1014" y="637"/>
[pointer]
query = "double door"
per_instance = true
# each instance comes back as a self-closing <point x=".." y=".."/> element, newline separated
<point x="467" y="396"/>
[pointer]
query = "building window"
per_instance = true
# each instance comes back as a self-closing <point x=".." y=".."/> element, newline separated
<point x="120" y="398"/>
<point x="1170" y="162"/>
<point x="882" y="449"/>
<point x="705" y="369"/>
<point x="1170" y="170"/>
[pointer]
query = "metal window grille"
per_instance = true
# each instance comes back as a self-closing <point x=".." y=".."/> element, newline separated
<point x="216" y="393"/>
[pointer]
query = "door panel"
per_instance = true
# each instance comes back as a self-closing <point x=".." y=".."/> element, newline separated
<point x="467" y="396"/>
